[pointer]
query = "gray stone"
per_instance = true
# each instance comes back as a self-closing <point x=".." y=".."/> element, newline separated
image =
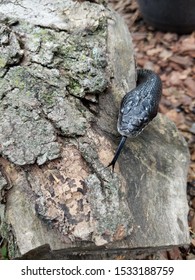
<point x="60" y="92"/>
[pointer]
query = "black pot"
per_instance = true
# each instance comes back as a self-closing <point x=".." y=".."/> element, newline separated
<point x="169" y="15"/>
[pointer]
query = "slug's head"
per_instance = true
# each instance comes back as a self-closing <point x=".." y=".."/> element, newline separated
<point x="140" y="105"/>
<point x="135" y="113"/>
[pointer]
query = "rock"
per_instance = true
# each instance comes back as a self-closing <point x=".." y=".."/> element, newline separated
<point x="63" y="76"/>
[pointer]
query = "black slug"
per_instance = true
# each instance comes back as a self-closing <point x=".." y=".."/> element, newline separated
<point x="138" y="107"/>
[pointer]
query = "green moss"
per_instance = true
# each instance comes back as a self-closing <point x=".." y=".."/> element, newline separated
<point x="74" y="87"/>
<point x="47" y="97"/>
<point x="17" y="77"/>
<point x="67" y="50"/>
<point x="4" y="252"/>
<point x="41" y="33"/>
<point x="18" y="83"/>
<point x="11" y="248"/>
<point x="3" y="62"/>
<point x="4" y="229"/>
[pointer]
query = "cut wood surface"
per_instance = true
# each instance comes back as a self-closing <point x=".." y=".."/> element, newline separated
<point x="172" y="56"/>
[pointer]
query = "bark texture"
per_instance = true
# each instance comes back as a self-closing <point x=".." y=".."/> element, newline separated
<point x="64" y="67"/>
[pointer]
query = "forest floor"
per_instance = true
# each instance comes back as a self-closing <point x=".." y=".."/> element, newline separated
<point x="172" y="56"/>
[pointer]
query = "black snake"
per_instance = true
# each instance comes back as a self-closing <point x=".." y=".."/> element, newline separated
<point x="138" y="107"/>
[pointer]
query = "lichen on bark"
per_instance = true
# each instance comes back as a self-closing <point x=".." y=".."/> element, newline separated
<point x="40" y="69"/>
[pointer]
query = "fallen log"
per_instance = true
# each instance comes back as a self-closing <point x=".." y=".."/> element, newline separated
<point x="62" y="77"/>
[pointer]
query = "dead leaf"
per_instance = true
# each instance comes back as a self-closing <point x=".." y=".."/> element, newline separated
<point x="175" y="78"/>
<point x="165" y="54"/>
<point x="188" y="44"/>
<point x="154" y="51"/>
<point x="190" y="83"/>
<point x="137" y="36"/>
<point x="182" y="60"/>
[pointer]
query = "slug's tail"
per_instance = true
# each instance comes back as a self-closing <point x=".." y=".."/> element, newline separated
<point x="117" y="153"/>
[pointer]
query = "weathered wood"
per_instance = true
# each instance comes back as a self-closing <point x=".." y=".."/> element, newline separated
<point x="63" y="75"/>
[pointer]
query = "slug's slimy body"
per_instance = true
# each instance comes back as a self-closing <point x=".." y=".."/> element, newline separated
<point x="138" y="107"/>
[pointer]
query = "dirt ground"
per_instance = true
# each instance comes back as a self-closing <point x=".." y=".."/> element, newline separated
<point x="172" y="56"/>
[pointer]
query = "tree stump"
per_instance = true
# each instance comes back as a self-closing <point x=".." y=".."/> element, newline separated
<point x="64" y="68"/>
